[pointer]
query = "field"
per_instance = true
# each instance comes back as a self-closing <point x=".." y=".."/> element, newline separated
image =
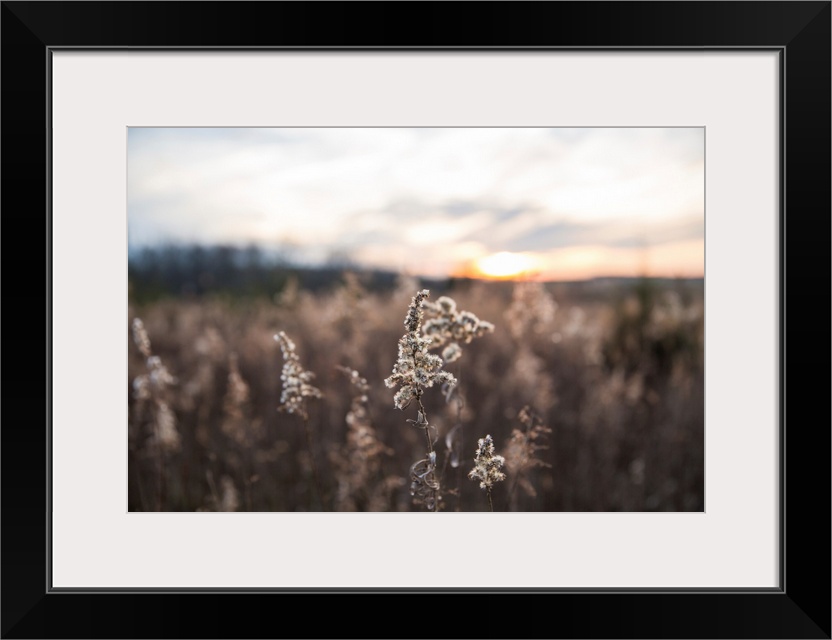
<point x="592" y="394"/>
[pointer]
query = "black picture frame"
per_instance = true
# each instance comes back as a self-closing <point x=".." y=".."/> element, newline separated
<point x="798" y="31"/>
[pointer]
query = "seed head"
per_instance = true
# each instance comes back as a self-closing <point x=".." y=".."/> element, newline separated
<point x="414" y="311"/>
<point x="296" y="380"/>
<point x="140" y="337"/>
<point x="415" y="369"/>
<point x="487" y="464"/>
<point x="448" y="326"/>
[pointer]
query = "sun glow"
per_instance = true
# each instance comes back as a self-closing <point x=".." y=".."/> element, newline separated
<point x="504" y="265"/>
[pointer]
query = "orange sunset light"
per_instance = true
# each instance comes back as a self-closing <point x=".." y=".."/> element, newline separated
<point x="503" y="265"/>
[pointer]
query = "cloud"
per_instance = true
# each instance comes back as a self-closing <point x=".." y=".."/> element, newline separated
<point x="627" y="233"/>
<point x="445" y="191"/>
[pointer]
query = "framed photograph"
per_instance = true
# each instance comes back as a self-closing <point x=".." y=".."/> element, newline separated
<point x="496" y="305"/>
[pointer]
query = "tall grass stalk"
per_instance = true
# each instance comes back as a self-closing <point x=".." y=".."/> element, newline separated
<point x="414" y="371"/>
<point x="521" y="454"/>
<point x="447" y="328"/>
<point x="151" y="389"/>
<point x="297" y="390"/>
<point x="487" y="467"/>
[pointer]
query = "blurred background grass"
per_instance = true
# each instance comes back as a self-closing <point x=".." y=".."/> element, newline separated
<point x="614" y="367"/>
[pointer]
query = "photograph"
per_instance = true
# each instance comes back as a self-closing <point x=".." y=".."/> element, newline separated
<point x="381" y="287"/>
<point x="381" y="319"/>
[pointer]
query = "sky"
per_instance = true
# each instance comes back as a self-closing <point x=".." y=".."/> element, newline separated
<point x="538" y="203"/>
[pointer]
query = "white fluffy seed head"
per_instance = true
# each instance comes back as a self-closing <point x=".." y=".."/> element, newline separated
<point x="415" y="369"/>
<point x="297" y="387"/>
<point x="487" y="464"/>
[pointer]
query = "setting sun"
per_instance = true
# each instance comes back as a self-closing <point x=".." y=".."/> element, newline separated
<point x="504" y="265"/>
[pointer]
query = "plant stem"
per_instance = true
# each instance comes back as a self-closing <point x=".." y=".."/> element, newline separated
<point x="460" y="403"/>
<point x="315" y="477"/>
<point x="425" y="418"/>
<point x="161" y="459"/>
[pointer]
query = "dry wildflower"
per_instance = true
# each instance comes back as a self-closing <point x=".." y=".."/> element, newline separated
<point x="532" y="309"/>
<point x="357" y="381"/>
<point x="160" y="377"/>
<point x="235" y="404"/>
<point x="487" y="464"/>
<point x="297" y="389"/>
<point x="140" y="337"/>
<point x="157" y="378"/>
<point x="347" y="305"/>
<point x="415" y="368"/>
<point x="360" y="462"/>
<point x="448" y="327"/>
<point x="152" y="387"/>
<point x="165" y="435"/>
<point x="529" y="380"/>
<point x="237" y="394"/>
<point x="296" y="380"/>
<point x="521" y="452"/>
<point x="358" y="414"/>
